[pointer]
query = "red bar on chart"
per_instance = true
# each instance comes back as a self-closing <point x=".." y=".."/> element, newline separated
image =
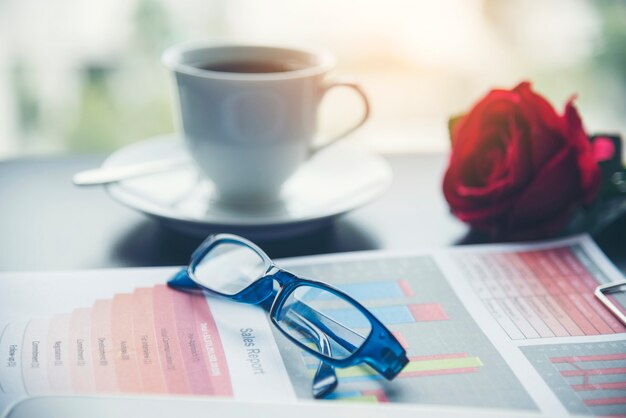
<point x="594" y="372"/>
<point x="621" y="400"/>
<point x="428" y="312"/>
<point x="170" y="354"/>
<point x="599" y="357"/>
<point x="212" y="347"/>
<point x="148" y="362"/>
<point x="191" y="342"/>
<point x="125" y="354"/>
<point x="406" y="288"/>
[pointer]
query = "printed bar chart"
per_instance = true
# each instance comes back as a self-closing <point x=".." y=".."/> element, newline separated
<point x="384" y="289"/>
<point x="441" y="364"/>
<point x="391" y="315"/>
<point x="447" y="351"/>
<point x="588" y="378"/>
<point x="155" y="340"/>
<point x="591" y="369"/>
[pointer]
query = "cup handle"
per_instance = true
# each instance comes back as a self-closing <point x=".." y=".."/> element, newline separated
<point x="366" y="112"/>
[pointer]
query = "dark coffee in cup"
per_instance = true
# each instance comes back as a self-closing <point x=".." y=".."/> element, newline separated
<point x="252" y="67"/>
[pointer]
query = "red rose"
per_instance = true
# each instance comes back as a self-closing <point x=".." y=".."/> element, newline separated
<point x="518" y="169"/>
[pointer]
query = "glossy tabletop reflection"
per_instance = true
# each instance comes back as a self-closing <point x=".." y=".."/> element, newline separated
<point x="46" y="223"/>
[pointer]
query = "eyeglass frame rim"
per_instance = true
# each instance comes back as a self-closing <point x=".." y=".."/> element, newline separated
<point x="287" y="285"/>
<point x="601" y="294"/>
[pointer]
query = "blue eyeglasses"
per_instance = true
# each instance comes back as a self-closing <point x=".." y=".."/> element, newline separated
<point x="233" y="267"/>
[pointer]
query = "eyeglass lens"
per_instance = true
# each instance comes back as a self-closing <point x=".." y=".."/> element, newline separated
<point x="323" y="321"/>
<point x="229" y="268"/>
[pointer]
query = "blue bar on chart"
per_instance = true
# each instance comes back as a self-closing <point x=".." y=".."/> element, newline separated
<point x="388" y="289"/>
<point x="390" y="315"/>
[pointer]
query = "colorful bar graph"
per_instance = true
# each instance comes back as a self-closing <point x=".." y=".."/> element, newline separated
<point x="590" y="378"/>
<point x="390" y="315"/>
<point x="365" y="291"/>
<point x="592" y="368"/>
<point x="441" y="364"/>
<point x="154" y="340"/>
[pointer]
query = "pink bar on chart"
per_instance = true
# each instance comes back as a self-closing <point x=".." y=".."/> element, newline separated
<point x="148" y="361"/>
<point x="195" y="361"/>
<point x="594" y="372"/>
<point x="600" y="386"/>
<point x="212" y="347"/>
<point x="380" y="394"/>
<point x="597" y="357"/>
<point x="125" y="353"/>
<point x="102" y="351"/>
<point x="606" y="401"/>
<point x="81" y="363"/>
<point x="34" y="357"/>
<point x="170" y="354"/>
<point x="428" y="312"/>
<point x="406" y="288"/>
<point x="58" y="354"/>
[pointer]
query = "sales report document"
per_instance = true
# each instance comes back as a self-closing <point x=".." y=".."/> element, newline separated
<point x="512" y="327"/>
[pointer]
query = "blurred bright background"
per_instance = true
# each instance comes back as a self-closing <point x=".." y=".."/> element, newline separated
<point x="86" y="76"/>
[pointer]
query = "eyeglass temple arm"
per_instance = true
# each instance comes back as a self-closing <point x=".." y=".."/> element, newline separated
<point x="387" y="358"/>
<point x="325" y="379"/>
<point x="325" y="323"/>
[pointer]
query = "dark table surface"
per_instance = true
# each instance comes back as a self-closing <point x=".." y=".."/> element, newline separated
<point x="46" y="223"/>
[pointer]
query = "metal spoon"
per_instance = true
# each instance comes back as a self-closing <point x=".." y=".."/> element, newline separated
<point x="112" y="174"/>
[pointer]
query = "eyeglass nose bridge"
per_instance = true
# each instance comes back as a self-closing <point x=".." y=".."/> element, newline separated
<point x="262" y="292"/>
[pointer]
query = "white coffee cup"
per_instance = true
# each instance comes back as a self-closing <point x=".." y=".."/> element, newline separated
<point x="249" y="131"/>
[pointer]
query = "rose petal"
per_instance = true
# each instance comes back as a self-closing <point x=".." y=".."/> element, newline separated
<point x="550" y="196"/>
<point x="590" y="172"/>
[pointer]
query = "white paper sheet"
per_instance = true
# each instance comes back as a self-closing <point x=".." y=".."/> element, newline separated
<point x="497" y="326"/>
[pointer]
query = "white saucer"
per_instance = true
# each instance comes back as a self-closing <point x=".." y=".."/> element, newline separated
<point x="334" y="181"/>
